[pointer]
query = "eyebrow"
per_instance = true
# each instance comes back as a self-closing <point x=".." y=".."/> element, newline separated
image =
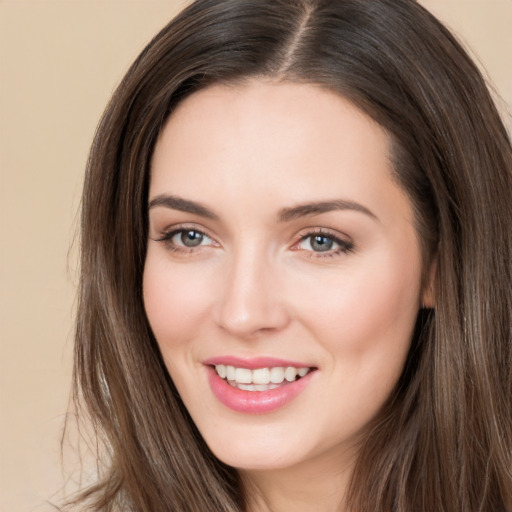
<point x="316" y="208"/>
<point x="183" y="205"/>
<point x="284" y="215"/>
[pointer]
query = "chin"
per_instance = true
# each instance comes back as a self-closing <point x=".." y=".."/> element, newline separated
<point x="254" y="459"/>
<point x="250" y="453"/>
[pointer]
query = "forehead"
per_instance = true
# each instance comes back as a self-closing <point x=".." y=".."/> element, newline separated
<point x="284" y="141"/>
<point x="286" y="109"/>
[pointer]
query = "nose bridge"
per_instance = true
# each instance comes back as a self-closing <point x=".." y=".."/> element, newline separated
<point x="251" y="301"/>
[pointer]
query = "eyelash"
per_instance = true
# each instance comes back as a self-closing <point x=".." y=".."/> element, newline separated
<point x="167" y="237"/>
<point x="344" y="246"/>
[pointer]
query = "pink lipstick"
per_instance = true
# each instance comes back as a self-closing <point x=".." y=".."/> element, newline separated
<point x="257" y="385"/>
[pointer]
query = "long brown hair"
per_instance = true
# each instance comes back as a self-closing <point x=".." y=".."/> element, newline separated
<point x="443" y="441"/>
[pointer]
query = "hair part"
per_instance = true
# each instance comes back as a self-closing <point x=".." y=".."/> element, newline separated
<point x="443" y="440"/>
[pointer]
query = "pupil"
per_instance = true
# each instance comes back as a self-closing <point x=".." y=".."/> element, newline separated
<point x="191" y="238"/>
<point x="322" y="243"/>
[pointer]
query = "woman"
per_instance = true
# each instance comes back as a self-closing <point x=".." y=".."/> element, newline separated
<point x="296" y="272"/>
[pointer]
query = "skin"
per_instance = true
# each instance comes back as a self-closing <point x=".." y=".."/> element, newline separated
<point x="257" y="286"/>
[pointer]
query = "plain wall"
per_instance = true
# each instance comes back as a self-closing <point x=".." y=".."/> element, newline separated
<point x="59" y="63"/>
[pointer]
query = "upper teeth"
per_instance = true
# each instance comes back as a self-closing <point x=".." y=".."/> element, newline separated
<point x="274" y="375"/>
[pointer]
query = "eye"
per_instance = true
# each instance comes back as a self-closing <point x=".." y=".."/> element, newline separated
<point x="326" y="243"/>
<point x="320" y="243"/>
<point x="185" y="239"/>
<point x="189" y="238"/>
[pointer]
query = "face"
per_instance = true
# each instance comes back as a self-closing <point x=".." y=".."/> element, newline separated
<point x="282" y="279"/>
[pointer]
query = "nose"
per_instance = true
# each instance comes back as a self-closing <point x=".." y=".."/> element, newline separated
<point x="252" y="299"/>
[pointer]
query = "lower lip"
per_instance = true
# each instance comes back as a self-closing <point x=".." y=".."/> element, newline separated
<point x="256" y="402"/>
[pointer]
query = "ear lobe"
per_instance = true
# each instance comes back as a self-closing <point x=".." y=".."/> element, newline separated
<point x="428" y="298"/>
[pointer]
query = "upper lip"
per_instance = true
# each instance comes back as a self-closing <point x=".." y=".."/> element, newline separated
<point x="252" y="363"/>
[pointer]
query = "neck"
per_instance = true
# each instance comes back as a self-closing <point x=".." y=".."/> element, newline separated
<point x="319" y="485"/>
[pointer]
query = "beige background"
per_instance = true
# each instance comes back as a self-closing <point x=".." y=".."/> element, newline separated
<point x="59" y="62"/>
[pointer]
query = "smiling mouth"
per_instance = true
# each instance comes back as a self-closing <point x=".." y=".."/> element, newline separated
<point x="260" y="379"/>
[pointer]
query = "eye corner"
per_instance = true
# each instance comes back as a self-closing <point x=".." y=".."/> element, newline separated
<point x="323" y="243"/>
<point x="174" y="239"/>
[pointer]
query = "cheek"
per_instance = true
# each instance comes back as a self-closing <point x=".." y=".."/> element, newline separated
<point x="364" y="322"/>
<point x="175" y="301"/>
<point x="365" y="312"/>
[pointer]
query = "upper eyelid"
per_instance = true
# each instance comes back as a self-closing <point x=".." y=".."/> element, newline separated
<point x="345" y="242"/>
<point x="339" y="237"/>
<point x="335" y="234"/>
<point x="172" y="230"/>
<point x="166" y="238"/>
